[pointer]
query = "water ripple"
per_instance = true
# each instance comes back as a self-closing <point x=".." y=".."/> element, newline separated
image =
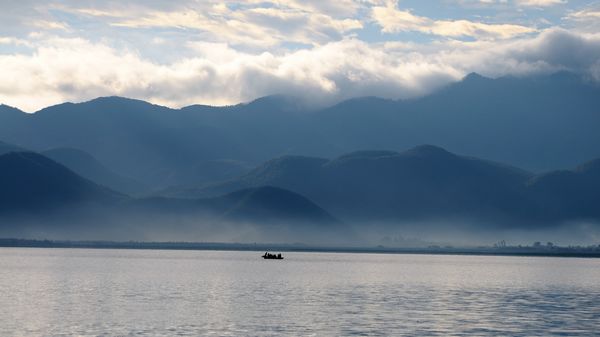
<point x="54" y="292"/>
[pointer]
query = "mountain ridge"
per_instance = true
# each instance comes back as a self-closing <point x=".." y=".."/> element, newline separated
<point x="480" y="117"/>
<point x="89" y="167"/>
<point x="426" y="182"/>
<point x="384" y="185"/>
<point x="39" y="195"/>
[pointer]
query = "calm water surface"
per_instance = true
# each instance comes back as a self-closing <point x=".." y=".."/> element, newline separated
<point x="64" y="292"/>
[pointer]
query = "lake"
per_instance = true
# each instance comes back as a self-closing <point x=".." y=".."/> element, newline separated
<point x="90" y="292"/>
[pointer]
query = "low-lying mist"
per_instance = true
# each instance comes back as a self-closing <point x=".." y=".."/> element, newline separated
<point x="107" y="224"/>
<point x="472" y="233"/>
<point x="103" y="224"/>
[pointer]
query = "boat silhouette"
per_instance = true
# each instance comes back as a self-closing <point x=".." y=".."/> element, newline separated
<point x="272" y="256"/>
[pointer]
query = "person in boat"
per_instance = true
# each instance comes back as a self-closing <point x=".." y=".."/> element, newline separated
<point x="279" y="256"/>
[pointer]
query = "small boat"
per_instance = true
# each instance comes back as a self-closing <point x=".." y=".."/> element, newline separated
<point x="270" y="256"/>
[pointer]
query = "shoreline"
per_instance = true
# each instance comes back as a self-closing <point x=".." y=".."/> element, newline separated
<point x="585" y="252"/>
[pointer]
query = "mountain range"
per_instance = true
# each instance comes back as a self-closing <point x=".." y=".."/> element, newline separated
<point x="306" y="196"/>
<point x="425" y="182"/>
<point x="539" y="123"/>
<point x="275" y="169"/>
<point x="89" y="167"/>
<point x="31" y="183"/>
<point x="41" y="195"/>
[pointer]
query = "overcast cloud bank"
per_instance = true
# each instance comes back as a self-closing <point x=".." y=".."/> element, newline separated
<point x="228" y="53"/>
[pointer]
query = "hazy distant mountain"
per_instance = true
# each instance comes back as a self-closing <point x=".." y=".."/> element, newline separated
<point x="39" y="195"/>
<point x="5" y="148"/>
<point x="301" y="197"/>
<point x="260" y="205"/>
<point x="424" y="182"/>
<point x="273" y="204"/>
<point x="569" y="194"/>
<point x="32" y="182"/>
<point x="265" y="128"/>
<point x="12" y="115"/>
<point x="133" y="138"/>
<point x="539" y="123"/>
<point x="262" y="214"/>
<point x="204" y="172"/>
<point x="88" y="167"/>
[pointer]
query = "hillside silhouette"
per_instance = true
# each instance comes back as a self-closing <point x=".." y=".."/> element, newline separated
<point x="538" y="123"/>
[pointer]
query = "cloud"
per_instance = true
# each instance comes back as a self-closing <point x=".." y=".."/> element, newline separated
<point x="62" y="69"/>
<point x="13" y="41"/>
<point x="75" y="69"/>
<point x="215" y="28"/>
<point x="49" y="25"/>
<point x="540" y="3"/>
<point x="393" y="20"/>
<point x="343" y="8"/>
<point x="477" y="29"/>
<point x="562" y="50"/>
<point x="553" y="50"/>
<point x="479" y="4"/>
<point x="224" y="52"/>
<point x="587" y="19"/>
<point x="592" y="14"/>
<point x="258" y="24"/>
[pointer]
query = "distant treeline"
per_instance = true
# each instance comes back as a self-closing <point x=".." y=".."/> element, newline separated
<point x="535" y="250"/>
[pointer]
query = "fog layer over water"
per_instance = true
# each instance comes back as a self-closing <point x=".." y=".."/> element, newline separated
<point x="106" y="224"/>
<point x="154" y="293"/>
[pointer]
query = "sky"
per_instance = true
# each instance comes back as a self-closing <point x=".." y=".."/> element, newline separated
<point x="178" y="53"/>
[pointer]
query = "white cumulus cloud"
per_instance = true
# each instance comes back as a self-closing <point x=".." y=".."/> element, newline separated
<point x="75" y="69"/>
<point x="392" y="19"/>
<point x="540" y="3"/>
<point x="225" y="52"/>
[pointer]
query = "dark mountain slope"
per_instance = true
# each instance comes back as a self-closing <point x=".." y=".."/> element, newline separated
<point x="33" y="182"/>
